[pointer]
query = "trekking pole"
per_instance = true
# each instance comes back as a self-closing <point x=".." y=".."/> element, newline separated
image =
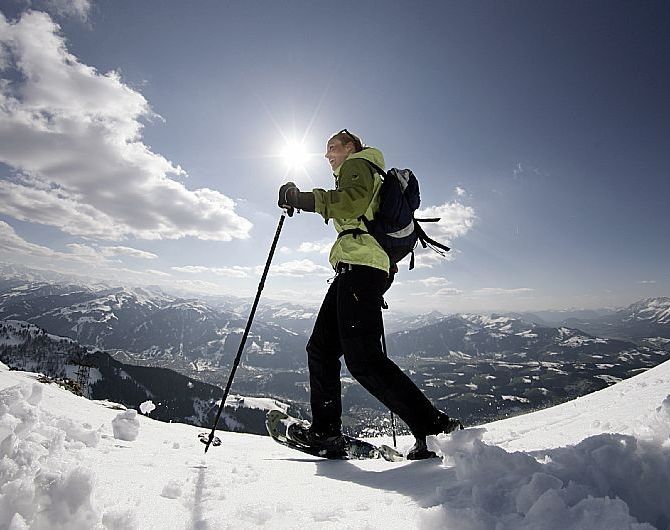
<point x="385" y="306"/>
<point x="246" y="330"/>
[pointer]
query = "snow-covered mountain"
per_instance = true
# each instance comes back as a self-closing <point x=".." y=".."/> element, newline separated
<point x="476" y="366"/>
<point x="395" y="322"/>
<point x="558" y="317"/>
<point x="97" y="375"/>
<point x="150" y="326"/>
<point x="476" y="335"/>
<point x="482" y="368"/>
<point x="649" y="318"/>
<point x="598" y="462"/>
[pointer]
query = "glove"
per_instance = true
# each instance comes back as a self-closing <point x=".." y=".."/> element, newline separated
<point x="291" y="198"/>
<point x="288" y="197"/>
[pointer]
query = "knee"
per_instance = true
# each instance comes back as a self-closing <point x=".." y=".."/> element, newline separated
<point x="316" y="349"/>
<point x="319" y="354"/>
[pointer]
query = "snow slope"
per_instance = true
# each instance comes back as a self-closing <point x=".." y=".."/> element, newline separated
<point x="62" y="467"/>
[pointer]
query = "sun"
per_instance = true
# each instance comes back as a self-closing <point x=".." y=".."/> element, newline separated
<point x="295" y="155"/>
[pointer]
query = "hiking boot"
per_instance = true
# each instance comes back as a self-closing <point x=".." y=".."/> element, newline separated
<point x="445" y="424"/>
<point x="419" y="450"/>
<point x="330" y="444"/>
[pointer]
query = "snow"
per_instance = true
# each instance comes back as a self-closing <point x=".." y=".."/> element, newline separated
<point x="578" y="341"/>
<point x="147" y="407"/>
<point x="234" y="401"/>
<point x="516" y="398"/>
<point x="126" y="426"/>
<point x="601" y="461"/>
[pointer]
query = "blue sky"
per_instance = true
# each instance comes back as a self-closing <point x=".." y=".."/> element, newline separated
<point x="139" y="142"/>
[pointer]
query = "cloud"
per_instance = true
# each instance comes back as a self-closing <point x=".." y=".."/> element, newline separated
<point x="300" y="268"/>
<point x="647" y="282"/>
<point x="161" y="274"/>
<point x="231" y="272"/>
<point x="434" y="281"/>
<point x="498" y="291"/>
<point x="14" y="248"/>
<point x="73" y="136"/>
<point x="459" y="191"/>
<point x="523" y="172"/>
<point x="320" y="247"/>
<point x="86" y="253"/>
<point x="12" y="244"/>
<point x="90" y="263"/>
<point x="427" y="259"/>
<point x="67" y="8"/>
<point x="448" y="291"/>
<point x="456" y="220"/>
<point x="127" y="251"/>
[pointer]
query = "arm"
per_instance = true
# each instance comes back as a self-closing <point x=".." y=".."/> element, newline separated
<point x="353" y="194"/>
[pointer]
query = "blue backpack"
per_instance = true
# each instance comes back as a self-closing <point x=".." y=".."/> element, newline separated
<point x="394" y="226"/>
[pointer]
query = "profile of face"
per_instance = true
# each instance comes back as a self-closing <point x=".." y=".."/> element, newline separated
<point x="337" y="152"/>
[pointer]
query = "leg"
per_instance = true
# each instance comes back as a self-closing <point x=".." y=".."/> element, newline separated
<point x="323" y="360"/>
<point x="360" y="326"/>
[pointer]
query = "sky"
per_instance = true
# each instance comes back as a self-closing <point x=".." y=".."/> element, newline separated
<point x="141" y="141"/>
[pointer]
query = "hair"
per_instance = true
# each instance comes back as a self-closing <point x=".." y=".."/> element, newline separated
<point x="345" y="137"/>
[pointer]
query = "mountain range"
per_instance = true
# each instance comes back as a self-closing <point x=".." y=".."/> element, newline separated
<point x="98" y="376"/>
<point x="479" y="367"/>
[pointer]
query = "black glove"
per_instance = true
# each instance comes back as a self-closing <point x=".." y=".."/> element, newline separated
<point x="291" y="198"/>
<point x="288" y="197"/>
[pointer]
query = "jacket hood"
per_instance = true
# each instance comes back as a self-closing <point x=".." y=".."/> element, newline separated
<point x="371" y="154"/>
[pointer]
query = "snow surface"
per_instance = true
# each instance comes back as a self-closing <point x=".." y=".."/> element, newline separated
<point x="62" y="467"/>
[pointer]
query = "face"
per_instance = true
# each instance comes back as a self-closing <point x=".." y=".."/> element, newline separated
<point x="336" y="153"/>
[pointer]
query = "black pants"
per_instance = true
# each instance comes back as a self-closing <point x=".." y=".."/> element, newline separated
<point x="350" y="324"/>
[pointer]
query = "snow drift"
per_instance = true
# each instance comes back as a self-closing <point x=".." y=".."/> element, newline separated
<point x="602" y="461"/>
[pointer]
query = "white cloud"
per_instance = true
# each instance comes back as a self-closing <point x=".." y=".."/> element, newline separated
<point x="498" y="291"/>
<point x="459" y="191"/>
<point x="434" y="281"/>
<point x="427" y="259"/>
<point x="127" y="251"/>
<point x="89" y="263"/>
<point x="456" y="220"/>
<point x="74" y="137"/>
<point x="448" y="291"/>
<point x="11" y="244"/>
<point x="86" y="253"/>
<point x="300" y="268"/>
<point x="320" y="247"/>
<point x="161" y="274"/>
<point x="67" y="8"/>
<point x="647" y="282"/>
<point x="231" y="272"/>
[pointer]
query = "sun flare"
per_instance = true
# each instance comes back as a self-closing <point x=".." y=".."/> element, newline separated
<point x="295" y="155"/>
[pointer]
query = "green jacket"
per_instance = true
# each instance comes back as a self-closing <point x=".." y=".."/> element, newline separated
<point x="356" y="193"/>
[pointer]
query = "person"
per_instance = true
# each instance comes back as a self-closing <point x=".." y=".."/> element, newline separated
<point x="349" y="322"/>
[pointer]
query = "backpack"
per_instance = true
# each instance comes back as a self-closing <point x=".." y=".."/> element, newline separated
<point x="394" y="225"/>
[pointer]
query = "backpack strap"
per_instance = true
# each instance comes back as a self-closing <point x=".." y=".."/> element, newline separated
<point x="428" y="241"/>
<point x="351" y="231"/>
<point x="375" y="167"/>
